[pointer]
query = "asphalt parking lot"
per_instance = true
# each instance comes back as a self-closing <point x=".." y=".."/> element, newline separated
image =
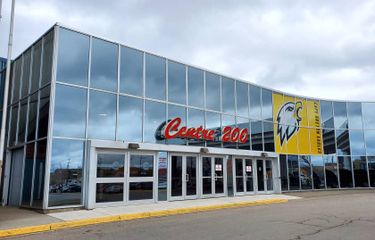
<point x="318" y="215"/>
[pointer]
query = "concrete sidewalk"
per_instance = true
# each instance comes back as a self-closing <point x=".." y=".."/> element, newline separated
<point x="15" y="221"/>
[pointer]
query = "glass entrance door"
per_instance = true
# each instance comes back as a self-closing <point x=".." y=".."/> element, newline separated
<point x="213" y="176"/>
<point x="183" y="174"/>
<point x="264" y="176"/>
<point x="244" y="176"/>
<point x="260" y="176"/>
<point x="269" y="176"/>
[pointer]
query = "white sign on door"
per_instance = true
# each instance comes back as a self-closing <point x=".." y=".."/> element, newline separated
<point x="218" y="167"/>
<point x="248" y="169"/>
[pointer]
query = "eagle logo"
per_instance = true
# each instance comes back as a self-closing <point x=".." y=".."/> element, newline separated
<point x="288" y="120"/>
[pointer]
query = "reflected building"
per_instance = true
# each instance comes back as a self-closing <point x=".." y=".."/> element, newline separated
<point x="91" y="123"/>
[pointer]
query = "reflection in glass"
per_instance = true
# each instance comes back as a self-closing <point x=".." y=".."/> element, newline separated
<point x="355" y="115"/>
<point x="13" y="125"/>
<point x="141" y="166"/>
<point x="162" y="176"/>
<point x="340" y="117"/>
<point x="357" y="142"/>
<point x="305" y="172"/>
<point x="243" y="123"/>
<point x="267" y="105"/>
<point x="342" y="141"/>
<point x="318" y="172"/>
<point x="370" y="142"/>
<point x="28" y="174"/>
<point x="155" y="77"/>
<point x="242" y="99"/>
<point x="22" y="121"/>
<point x="104" y="57"/>
<point x="330" y="162"/>
<point x="175" y="111"/>
<point x="70" y="111"/>
<point x="39" y="171"/>
<point x="176" y="178"/>
<point x="329" y="141"/>
<point x="284" y="172"/>
<point x="368" y="115"/>
<point x="176" y="82"/>
<point x="32" y="118"/>
<point x="269" y="143"/>
<point x="47" y="58"/>
<point x="102" y="115"/>
<point x="360" y="171"/>
<point x="73" y="57"/>
<point x="255" y="108"/>
<point x="228" y="121"/>
<point x="129" y="123"/>
<point x="213" y="121"/>
<point x="195" y="87"/>
<point x="110" y="165"/>
<point x="256" y="136"/>
<point x="17" y="79"/>
<point x="371" y="170"/>
<point x="293" y="172"/>
<point x="131" y="71"/>
<point x="140" y="190"/>
<point x="228" y="95"/>
<point x="25" y="74"/>
<point x="44" y="101"/>
<point x="269" y="175"/>
<point x="191" y="171"/>
<point x="345" y="172"/>
<point x="206" y="175"/>
<point x="195" y="119"/>
<point x="35" y="75"/>
<point x="109" y="192"/>
<point x="154" y="117"/>
<point x="326" y="113"/>
<point x="66" y="172"/>
<point x="212" y="91"/>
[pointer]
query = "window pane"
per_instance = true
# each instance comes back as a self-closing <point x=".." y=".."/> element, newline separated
<point x="368" y="110"/>
<point x="284" y="173"/>
<point x="174" y="112"/>
<point x="22" y="121"/>
<point x="370" y="142"/>
<point x="43" y="111"/>
<point x="35" y="75"/>
<point x="131" y="80"/>
<point x="155" y="77"/>
<point x="28" y="174"/>
<point x="47" y="58"/>
<point x="326" y="113"/>
<point x="360" y="171"/>
<point x="109" y="192"/>
<point x="176" y="82"/>
<point x="66" y="172"/>
<point x="26" y="74"/>
<point x="242" y="99"/>
<point x="371" y="169"/>
<point x="293" y="172"/>
<point x="140" y="190"/>
<point x="39" y="171"/>
<point x="340" y="119"/>
<point x="355" y="115"/>
<point x="130" y="119"/>
<point x="256" y="136"/>
<point x="269" y="143"/>
<point x="73" y="57"/>
<point x="17" y="80"/>
<point x="244" y="123"/>
<point x="213" y="121"/>
<point x="154" y="117"/>
<point x="345" y="172"/>
<point x="110" y="165"/>
<point x="102" y="115"/>
<point x="70" y="111"/>
<point x="228" y="95"/>
<point x="318" y="172"/>
<point x="331" y="171"/>
<point x="33" y="111"/>
<point x="195" y="119"/>
<point x="228" y="121"/>
<point x="342" y="141"/>
<point x="13" y="125"/>
<point x="104" y="65"/>
<point x="267" y="105"/>
<point x="357" y="142"/>
<point x="329" y="141"/>
<point x="141" y="166"/>
<point x="255" y="102"/>
<point x="195" y="87"/>
<point x="305" y="172"/>
<point x="212" y="91"/>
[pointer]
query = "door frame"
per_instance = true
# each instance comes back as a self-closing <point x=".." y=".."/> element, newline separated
<point x="169" y="184"/>
<point x="225" y="185"/>
<point x="244" y="178"/>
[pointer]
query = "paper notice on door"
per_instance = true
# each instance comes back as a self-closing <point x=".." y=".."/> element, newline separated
<point x="218" y="167"/>
<point x="248" y="169"/>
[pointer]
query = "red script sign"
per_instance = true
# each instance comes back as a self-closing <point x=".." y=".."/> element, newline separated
<point x="229" y="134"/>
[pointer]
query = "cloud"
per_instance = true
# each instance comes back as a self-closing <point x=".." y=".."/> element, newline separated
<point x="312" y="48"/>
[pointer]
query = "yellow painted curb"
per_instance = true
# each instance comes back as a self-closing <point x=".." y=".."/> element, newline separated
<point x="132" y="216"/>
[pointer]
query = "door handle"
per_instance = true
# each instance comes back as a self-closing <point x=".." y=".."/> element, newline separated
<point x="187" y="178"/>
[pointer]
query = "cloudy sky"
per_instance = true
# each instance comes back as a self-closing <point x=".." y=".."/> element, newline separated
<point x="314" y="48"/>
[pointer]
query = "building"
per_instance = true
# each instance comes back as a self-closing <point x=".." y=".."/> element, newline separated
<point x="96" y="123"/>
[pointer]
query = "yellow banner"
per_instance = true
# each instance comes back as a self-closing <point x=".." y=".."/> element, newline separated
<point x="297" y="128"/>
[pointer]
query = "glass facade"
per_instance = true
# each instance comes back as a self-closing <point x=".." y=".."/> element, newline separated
<point x="106" y="91"/>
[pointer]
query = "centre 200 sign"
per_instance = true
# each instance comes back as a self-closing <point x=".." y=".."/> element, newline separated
<point x="173" y="129"/>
